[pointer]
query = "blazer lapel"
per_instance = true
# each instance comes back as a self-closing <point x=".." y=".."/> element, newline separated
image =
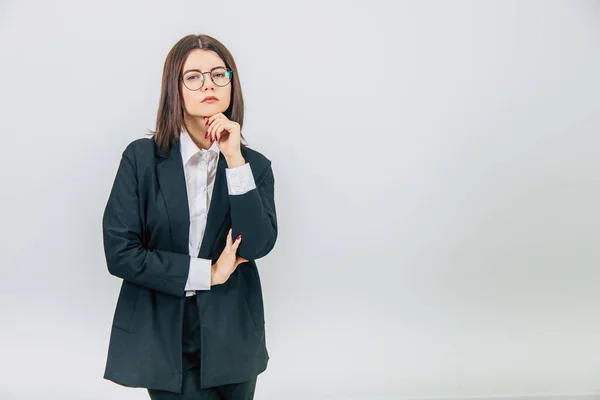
<point x="218" y="210"/>
<point x="171" y="179"/>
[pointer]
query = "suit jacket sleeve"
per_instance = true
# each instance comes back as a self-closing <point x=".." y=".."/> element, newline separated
<point x="122" y="229"/>
<point x="253" y="216"/>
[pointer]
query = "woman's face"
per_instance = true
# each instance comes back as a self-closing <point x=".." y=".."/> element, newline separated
<point x="203" y="60"/>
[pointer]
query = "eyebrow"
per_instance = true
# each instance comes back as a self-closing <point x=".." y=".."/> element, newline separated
<point x="196" y="69"/>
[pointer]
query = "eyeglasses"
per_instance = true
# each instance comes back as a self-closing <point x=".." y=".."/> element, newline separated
<point x="194" y="79"/>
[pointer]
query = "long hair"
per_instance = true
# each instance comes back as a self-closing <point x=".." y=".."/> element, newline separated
<point x="170" y="116"/>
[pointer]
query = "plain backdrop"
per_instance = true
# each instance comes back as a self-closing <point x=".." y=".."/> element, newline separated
<point x="437" y="189"/>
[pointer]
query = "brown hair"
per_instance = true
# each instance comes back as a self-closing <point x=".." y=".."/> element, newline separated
<point x="169" y="119"/>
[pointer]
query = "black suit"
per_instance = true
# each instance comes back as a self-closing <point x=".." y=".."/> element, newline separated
<point x="146" y="232"/>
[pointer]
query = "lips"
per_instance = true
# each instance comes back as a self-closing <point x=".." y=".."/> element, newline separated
<point x="209" y="98"/>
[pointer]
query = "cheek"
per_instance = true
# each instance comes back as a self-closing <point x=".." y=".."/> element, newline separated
<point x="185" y="99"/>
<point x="227" y="98"/>
<point x="190" y="103"/>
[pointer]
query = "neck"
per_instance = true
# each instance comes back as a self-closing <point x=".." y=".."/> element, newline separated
<point x="196" y="128"/>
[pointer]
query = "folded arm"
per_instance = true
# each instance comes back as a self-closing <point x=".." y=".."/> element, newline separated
<point x="122" y="228"/>
<point x="253" y="213"/>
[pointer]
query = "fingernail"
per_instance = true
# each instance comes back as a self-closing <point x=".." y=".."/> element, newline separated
<point x="205" y="135"/>
<point x="239" y="236"/>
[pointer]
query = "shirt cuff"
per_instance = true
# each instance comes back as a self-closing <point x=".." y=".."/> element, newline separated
<point x="199" y="276"/>
<point x="240" y="179"/>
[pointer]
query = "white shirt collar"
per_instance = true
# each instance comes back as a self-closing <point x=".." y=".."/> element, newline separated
<point x="189" y="148"/>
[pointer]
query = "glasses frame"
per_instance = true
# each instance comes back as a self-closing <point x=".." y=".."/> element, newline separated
<point x="230" y="71"/>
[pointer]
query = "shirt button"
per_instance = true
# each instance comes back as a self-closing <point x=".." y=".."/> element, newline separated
<point x="202" y="189"/>
<point x="234" y="174"/>
<point x="203" y="216"/>
<point x="237" y="189"/>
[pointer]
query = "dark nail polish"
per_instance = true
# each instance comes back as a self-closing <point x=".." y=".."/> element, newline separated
<point x="239" y="236"/>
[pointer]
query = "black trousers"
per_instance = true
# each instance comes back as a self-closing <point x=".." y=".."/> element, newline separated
<point x="191" y="367"/>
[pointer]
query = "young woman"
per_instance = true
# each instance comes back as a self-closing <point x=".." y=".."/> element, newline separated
<point x="189" y="321"/>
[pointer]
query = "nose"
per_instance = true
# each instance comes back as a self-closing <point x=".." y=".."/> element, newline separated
<point x="208" y="82"/>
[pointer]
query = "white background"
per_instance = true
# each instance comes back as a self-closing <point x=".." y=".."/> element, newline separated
<point x="437" y="189"/>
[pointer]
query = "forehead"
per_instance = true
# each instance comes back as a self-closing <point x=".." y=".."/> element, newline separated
<point x="203" y="60"/>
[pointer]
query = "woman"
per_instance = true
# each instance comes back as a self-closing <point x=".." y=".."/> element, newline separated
<point x="189" y="321"/>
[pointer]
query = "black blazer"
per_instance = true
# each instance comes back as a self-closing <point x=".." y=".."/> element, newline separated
<point x="146" y="231"/>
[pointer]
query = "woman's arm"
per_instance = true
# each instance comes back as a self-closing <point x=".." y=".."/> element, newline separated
<point x="253" y="216"/>
<point x="122" y="227"/>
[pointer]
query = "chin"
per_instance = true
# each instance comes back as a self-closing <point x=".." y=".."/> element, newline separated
<point x="212" y="109"/>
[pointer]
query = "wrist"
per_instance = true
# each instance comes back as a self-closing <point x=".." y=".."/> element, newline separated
<point x="214" y="278"/>
<point x="234" y="161"/>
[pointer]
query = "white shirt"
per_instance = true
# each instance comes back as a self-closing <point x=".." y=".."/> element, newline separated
<point x="200" y="168"/>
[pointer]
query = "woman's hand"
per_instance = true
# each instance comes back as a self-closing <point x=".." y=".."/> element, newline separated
<point x="227" y="133"/>
<point x="227" y="262"/>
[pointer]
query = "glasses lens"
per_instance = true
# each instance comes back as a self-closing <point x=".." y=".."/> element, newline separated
<point x="221" y="76"/>
<point x="193" y="80"/>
